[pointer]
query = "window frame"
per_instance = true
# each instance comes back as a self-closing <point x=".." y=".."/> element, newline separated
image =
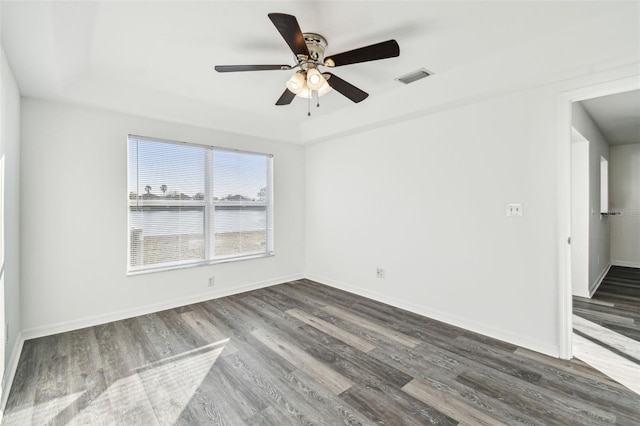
<point x="208" y="204"/>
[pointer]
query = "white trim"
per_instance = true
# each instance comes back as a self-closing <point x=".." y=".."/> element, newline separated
<point x="614" y="81"/>
<point x="193" y="144"/>
<point x="61" y="327"/>
<point x="625" y="263"/>
<point x="594" y="286"/>
<point x="12" y="367"/>
<point x="175" y="266"/>
<point x="565" y="290"/>
<point x="464" y="323"/>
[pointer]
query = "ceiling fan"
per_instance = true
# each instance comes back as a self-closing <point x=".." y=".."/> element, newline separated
<point x="309" y="49"/>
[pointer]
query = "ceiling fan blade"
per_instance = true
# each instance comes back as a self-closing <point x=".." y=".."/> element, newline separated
<point x="286" y="98"/>
<point x="236" y="68"/>
<point x="289" y="29"/>
<point x="383" y="50"/>
<point x="347" y="89"/>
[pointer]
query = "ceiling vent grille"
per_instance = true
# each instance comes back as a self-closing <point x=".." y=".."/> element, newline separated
<point x="414" y="76"/>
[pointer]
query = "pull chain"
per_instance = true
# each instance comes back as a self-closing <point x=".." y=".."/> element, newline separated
<point x="317" y="100"/>
<point x="309" y="106"/>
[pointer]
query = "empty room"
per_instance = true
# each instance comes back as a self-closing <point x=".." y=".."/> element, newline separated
<point x="320" y="212"/>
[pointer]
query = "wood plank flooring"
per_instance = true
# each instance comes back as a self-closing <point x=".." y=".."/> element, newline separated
<point x="606" y="328"/>
<point x="301" y="353"/>
<point x="616" y="303"/>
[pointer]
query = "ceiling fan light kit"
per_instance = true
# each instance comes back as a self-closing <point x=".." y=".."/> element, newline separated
<point x="297" y="82"/>
<point x="315" y="80"/>
<point x="309" y="50"/>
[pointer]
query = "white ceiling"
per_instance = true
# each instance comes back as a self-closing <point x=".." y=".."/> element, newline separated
<point x="156" y="58"/>
<point x="617" y="116"/>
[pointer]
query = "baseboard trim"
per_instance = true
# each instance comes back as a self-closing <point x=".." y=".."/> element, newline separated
<point x="10" y="372"/>
<point x="625" y="263"/>
<point x="476" y="327"/>
<point x="61" y="327"/>
<point x="596" y="284"/>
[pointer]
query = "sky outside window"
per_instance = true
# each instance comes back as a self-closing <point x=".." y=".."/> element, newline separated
<point x="182" y="169"/>
<point x="179" y="167"/>
<point x="238" y="173"/>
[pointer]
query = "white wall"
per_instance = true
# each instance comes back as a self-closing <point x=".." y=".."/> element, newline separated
<point x="10" y="235"/>
<point x="426" y="200"/>
<point x="580" y="214"/>
<point x="599" y="247"/>
<point x="584" y="47"/>
<point x="74" y="220"/>
<point x="624" y="173"/>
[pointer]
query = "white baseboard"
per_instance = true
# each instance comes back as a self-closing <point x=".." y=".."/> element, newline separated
<point x="625" y="263"/>
<point x="474" y="326"/>
<point x="61" y="327"/>
<point x="594" y="286"/>
<point x="585" y="295"/>
<point x="10" y="372"/>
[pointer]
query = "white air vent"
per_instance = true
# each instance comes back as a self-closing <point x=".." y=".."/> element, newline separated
<point x="414" y="76"/>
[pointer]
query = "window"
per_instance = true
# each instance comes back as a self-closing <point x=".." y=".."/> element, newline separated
<point x="191" y="205"/>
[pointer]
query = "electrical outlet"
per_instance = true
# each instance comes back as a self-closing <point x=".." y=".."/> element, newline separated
<point x="380" y="272"/>
<point x="211" y="281"/>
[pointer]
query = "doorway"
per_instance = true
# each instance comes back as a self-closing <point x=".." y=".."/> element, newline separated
<point x="601" y="329"/>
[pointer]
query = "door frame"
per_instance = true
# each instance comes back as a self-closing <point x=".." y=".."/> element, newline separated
<point x="565" y="101"/>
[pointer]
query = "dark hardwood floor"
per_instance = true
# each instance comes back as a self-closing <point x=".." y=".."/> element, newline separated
<point x="302" y="353"/>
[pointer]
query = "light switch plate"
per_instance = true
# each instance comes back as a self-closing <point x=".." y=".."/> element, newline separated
<point x="514" y="209"/>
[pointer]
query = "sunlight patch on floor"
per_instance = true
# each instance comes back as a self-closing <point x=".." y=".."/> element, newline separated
<point x="619" y="368"/>
<point x="164" y="387"/>
<point x="611" y="338"/>
<point x="173" y="382"/>
<point x="43" y="413"/>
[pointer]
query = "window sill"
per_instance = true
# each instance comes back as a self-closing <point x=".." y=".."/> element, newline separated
<point x="175" y="267"/>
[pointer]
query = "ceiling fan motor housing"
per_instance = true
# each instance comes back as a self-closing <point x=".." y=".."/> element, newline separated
<point x="317" y="45"/>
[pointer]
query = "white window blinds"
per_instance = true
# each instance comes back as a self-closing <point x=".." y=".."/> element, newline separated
<point x="191" y="204"/>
